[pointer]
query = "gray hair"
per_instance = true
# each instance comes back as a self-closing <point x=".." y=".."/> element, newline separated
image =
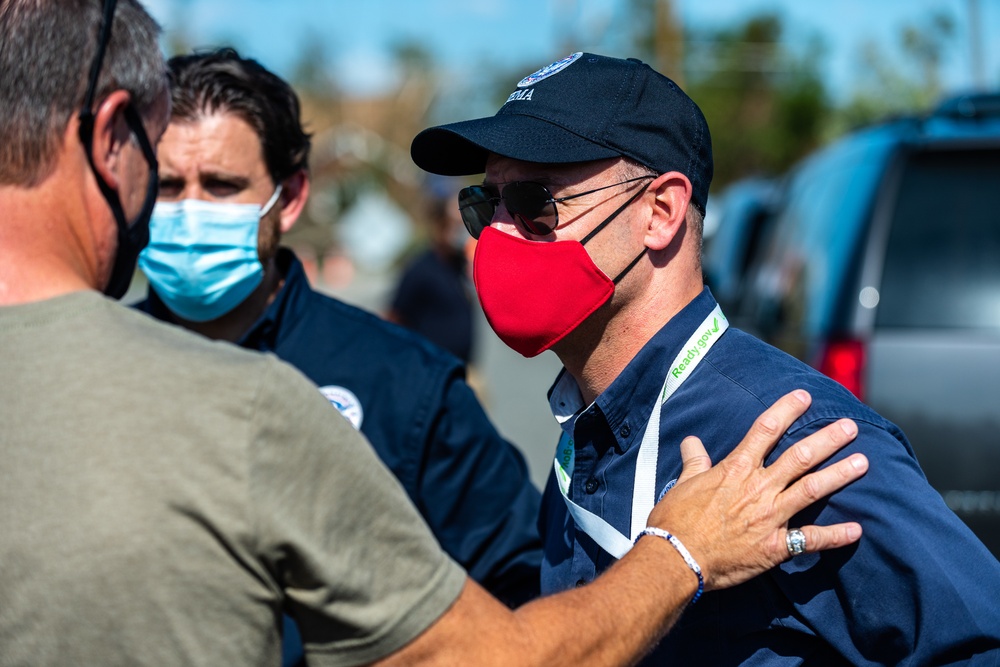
<point x="46" y="50"/>
<point x="629" y="168"/>
<point x="696" y="223"/>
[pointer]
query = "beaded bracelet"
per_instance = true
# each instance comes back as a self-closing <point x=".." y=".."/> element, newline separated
<point x="685" y="554"/>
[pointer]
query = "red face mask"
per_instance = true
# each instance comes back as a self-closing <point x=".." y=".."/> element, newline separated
<point x="534" y="293"/>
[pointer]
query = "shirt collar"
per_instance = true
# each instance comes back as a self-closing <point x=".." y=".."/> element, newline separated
<point x="628" y="401"/>
<point x="291" y="299"/>
<point x="565" y="400"/>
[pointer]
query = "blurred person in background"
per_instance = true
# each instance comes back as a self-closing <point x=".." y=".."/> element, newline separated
<point x="233" y="178"/>
<point x="589" y="221"/>
<point x="434" y="293"/>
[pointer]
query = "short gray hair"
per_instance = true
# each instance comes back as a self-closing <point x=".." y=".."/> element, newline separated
<point x="46" y="50"/>
<point x="629" y="168"/>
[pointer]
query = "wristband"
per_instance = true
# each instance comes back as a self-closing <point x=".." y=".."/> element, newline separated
<point x="685" y="554"/>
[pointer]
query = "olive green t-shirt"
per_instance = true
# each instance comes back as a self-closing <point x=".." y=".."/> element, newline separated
<point x="163" y="498"/>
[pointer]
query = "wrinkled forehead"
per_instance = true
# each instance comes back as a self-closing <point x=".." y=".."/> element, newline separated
<point x="217" y="142"/>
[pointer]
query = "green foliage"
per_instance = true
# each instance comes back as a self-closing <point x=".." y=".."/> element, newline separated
<point x="310" y="73"/>
<point x="905" y="84"/>
<point x="766" y="105"/>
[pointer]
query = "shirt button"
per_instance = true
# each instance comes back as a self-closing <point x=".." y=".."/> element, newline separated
<point x="591" y="485"/>
<point x="624" y="431"/>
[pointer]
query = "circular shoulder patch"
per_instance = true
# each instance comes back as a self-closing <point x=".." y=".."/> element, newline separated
<point x="346" y="402"/>
<point x="548" y="70"/>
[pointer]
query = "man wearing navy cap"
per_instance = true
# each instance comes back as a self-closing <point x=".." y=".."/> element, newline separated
<point x="589" y="222"/>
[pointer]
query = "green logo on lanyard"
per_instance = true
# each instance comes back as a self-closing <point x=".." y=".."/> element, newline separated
<point x="565" y="461"/>
<point x="698" y="345"/>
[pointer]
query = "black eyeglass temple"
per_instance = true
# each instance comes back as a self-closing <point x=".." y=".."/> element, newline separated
<point x="614" y="215"/>
<point x="603" y="187"/>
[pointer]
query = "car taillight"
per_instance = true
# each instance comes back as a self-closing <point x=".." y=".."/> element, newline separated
<point x="844" y="361"/>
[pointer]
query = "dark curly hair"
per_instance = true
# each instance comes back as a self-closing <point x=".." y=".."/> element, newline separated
<point x="222" y="80"/>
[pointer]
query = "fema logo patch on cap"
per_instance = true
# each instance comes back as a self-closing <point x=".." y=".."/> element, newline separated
<point x="346" y="402"/>
<point x="549" y="70"/>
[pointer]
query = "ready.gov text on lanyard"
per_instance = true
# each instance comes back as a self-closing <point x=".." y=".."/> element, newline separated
<point x="644" y="490"/>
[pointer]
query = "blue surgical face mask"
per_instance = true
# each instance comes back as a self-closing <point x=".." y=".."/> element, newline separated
<point x="202" y="258"/>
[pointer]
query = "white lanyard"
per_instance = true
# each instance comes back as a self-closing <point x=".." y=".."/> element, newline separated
<point x="644" y="489"/>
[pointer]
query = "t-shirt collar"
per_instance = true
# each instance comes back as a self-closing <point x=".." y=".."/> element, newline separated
<point x="289" y="299"/>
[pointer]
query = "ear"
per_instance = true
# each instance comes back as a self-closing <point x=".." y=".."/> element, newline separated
<point x="294" y="193"/>
<point x="111" y="133"/>
<point x="673" y="195"/>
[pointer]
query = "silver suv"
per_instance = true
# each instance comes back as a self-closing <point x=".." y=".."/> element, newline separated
<point x="881" y="267"/>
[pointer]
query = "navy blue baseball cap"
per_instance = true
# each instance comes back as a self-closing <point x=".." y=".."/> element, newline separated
<point x="581" y="108"/>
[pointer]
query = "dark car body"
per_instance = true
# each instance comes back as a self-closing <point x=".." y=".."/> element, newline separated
<point x="881" y="267"/>
<point x="741" y="215"/>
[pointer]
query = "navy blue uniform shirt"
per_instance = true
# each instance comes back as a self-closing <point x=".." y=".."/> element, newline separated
<point x="433" y="299"/>
<point x="918" y="589"/>
<point x="414" y="406"/>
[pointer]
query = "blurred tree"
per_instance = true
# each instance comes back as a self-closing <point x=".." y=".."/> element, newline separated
<point x="332" y="189"/>
<point x="658" y="37"/>
<point x="766" y="105"/>
<point x="179" y="40"/>
<point x="310" y="72"/>
<point x="907" y="83"/>
<point x="360" y="143"/>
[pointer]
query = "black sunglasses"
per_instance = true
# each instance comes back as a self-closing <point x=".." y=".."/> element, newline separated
<point x="530" y="204"/>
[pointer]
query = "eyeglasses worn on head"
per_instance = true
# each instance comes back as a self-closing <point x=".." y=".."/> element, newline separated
<point x="530" y="204"/>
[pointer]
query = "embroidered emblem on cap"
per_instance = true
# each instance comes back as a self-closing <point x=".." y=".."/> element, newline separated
<point x="548" y="70"/>
<point x="346" y="402"/>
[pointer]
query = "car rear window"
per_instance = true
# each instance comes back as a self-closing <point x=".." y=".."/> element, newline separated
<point x="942" y="263"/>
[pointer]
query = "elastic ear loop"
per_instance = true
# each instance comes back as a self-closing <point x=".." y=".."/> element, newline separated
<point x="86" y="132"/>
<point x="630" y="266"/>
<point x="104" y="36"/>
<point x="606" y="222"/>
<point x="270" y="202"/>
